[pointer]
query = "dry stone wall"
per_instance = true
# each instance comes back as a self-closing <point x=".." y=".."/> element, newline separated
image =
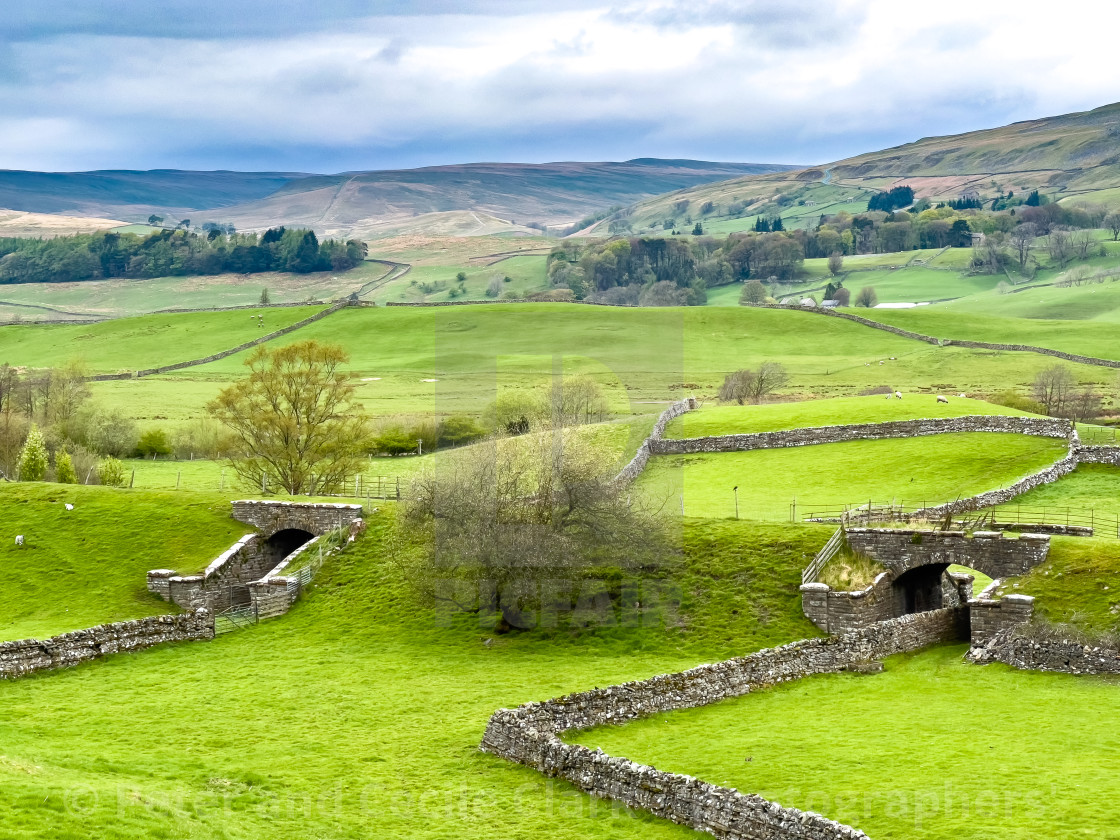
<point x="1099" y="455"/>
<point x="979" y="345"/>
<point x="1036" y="426"/>
<point x="24" y="657"/>
<point x="638" y="463"/>
<point x="990" y="617"/>
<point x="530" y="734"/>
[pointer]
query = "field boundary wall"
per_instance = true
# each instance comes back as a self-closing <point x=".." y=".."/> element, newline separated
<point x="638" y="463"/>
<point x="530" y="734"/>
<point x="28" y="656"/>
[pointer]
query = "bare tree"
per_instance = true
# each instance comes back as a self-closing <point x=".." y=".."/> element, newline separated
<point x="1059" y="245"/>
<point x="578" y="399"/>
<point x="835" y="263"/>
<point x="1022" y="240"/>
<point x="753" y="386"/>
<point x="1052" y="387"/>
<point x="1081" y="242"/>
<point x="867" y="297"/>
<point x="494" y="527"/>
<point x="1112" y="222"/>
<point x="1084" y="404"/>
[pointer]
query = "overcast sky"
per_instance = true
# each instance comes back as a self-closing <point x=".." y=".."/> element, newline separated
<point x="333" y="85"/>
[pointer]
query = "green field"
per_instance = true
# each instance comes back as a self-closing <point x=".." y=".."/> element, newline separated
<point x="87" y="566"/>
<point x="359" y="711"/>
<point x="886" y="753"/>
<point x="130" y="344"/>
<point x="909" y="471"/>
<point x="734" y="419"/>
<point x="1077" y="583"/>
<point x="1090" y="487"/>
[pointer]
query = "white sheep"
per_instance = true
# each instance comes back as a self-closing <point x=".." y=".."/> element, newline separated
<point x="19" y="539"/>
<point x="889" y="395"/>
<point x="942" y="399"/>
<point x="960" y="396"/>
<point x="898" y="395"/>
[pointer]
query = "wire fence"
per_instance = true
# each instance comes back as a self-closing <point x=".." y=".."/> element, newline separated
<point x="1007" y="517"/>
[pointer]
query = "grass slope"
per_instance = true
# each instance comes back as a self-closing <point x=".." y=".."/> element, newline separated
<point x="145" y="341"/>
<point x="868" y="752"/>
<point x="734" y="419"/>
<point x="908" y="471"/>
<point x="1077" y="583"/>
<point x="88" y="565"/>
<point x="357" y="712"/>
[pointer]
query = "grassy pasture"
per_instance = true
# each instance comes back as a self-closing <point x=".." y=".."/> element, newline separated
<point x="361" y="711"/>
<point x="145" y="341"/>
<point x="917" y="284"/>
<point x="908" y="471"/>
<point x="871" y="754"/>
<point x="1090" y="487"/>
<point x="735" y="419"/>
<point x="121" y="297"/>
<point x="87" y="566"/>
<point x="656" y="354"/>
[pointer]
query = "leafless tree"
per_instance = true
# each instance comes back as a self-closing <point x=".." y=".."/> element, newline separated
<point x="1022" y="240"/>
<point x="835" y="263"/>
<point x="753" y="386"/>
<point x="1081" y="242"/>
<point x="1053" y="387"/>
<point x="1059" y="245"/>
<point x="1112" y="222"/>
<point x="488" y="529"/>
<point x="1084" y="404"/>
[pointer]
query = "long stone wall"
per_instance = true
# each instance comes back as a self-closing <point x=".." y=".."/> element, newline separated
<point x="330" y="310"/>
<point x="1036" y="426"/>
<point x="928" y="339"/>
<point x="638" y="463"/>
<point x="530" y="734"/>
<point x="1098" y="455"/>
<point x="24" y="657"/>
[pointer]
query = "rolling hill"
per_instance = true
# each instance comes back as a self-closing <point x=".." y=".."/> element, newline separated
<point x="1073" y="157"/>
<point x="366" y="203"/>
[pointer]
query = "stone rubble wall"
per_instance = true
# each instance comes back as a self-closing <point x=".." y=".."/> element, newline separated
<point x="28" y="656"/>
<point x="530" y="734"/>
<point x="837" y="611"/>
<point x="1012" y="646"/>
<point x="992" y="552"/>
<point x="638" y="463"/>
<point x="811" y="436"/>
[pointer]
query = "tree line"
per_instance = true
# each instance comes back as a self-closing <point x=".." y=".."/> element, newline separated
<point x="172" y="253"/>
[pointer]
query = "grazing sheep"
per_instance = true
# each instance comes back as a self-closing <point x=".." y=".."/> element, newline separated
<point x="960" y="396"/>
<point x="889" y="395"/>
<point x="19" y="539"/>
<point x="942" y="399"/>
<point x="898" y="395"/>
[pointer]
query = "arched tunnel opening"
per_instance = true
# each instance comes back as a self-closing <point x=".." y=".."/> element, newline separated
<point x="283" y="543"/>
<point x="932" y="587"/>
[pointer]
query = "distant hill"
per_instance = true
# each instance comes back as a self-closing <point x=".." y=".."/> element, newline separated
<point x="352" y="202"/>
<point x="133" y="194"/>
<point x="1073" y="157"/>
<point x="547" y="193"/>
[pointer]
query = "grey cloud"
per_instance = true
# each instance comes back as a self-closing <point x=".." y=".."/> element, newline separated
<point x="770" y="23"/>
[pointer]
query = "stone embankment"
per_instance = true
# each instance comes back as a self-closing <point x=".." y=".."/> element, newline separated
<point x="530" y="734"/>
<point x="1012" y="646"/>
<point x="18" y="659"/>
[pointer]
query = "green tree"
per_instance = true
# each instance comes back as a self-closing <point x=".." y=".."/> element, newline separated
<point x="153" y="443"/>
<point x="154" y="220"/>
<point x="835" y="262"/>
<point x="110" y="472"/>
<point x="33" y="456"/>
<point x="64" y="468"/>
<point x="461" y="277"/>
<point x="753" y="292"/>
<point x="265" y="299"/>
<point x="294" y="421"/>
<point x="698" y="229"/>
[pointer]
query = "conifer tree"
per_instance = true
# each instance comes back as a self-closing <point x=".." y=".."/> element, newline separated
<point x="64" y="468"/>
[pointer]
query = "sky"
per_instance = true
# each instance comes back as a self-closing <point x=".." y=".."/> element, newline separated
<point x="342" y="85"/>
